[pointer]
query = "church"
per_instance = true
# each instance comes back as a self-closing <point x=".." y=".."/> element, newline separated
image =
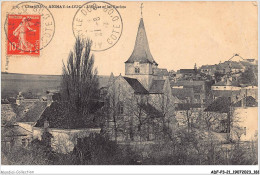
<point x="140" y="103"/>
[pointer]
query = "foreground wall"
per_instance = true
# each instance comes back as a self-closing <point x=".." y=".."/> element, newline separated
<point x="64" y="140"/>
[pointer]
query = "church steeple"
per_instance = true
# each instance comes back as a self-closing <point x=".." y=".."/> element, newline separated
<point x="141" y="52"/>
<point x="141" y="65"/>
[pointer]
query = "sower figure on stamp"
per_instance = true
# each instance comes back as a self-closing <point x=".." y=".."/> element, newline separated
<point x="20" y="31"/>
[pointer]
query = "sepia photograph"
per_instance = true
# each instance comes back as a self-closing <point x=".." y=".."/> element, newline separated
<point x="129" y="83"/>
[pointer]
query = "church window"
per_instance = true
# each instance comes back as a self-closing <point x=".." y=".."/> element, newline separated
<point x="137" y="70"/>
<point x="120" y="108"/>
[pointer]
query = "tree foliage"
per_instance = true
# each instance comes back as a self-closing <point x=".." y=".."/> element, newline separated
<point x="248" y="77"/>
<point x="79" y="87"/>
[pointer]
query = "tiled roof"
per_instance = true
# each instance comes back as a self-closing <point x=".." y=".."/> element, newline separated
<point x="157" y="87"/>
<point x="188" y="71"/>
<point x="221" y="105"/>
<point x="136" y="85"/>
<point x="33" y="113"/>
<point x="187" y="106"/>
<point x="59" y="116"/>
<point x="182" y="93"/>
<point x="141" y="52"/>
<point x="151" y="111"/>
<point x="249" y="102"/>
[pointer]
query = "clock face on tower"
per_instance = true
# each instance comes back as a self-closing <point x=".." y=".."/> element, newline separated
<point x="100" y="22"/>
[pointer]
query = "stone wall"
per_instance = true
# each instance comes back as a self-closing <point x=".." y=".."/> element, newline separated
<point x="64" y="140"/>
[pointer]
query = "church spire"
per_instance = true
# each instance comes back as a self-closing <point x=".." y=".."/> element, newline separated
<point x="142" y="10"/>
<point x="141" y="52"/>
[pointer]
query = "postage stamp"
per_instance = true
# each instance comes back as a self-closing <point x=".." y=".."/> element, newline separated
<point x="99" y="21"/>
<point x="29" y="28"/>
<point x="24" y="34"/>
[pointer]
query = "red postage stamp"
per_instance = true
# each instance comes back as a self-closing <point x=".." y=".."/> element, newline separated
<point x="23" y="34"/>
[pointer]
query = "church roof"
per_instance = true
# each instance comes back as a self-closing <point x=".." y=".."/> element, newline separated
<point x="136" y="85"/>
<point x="157" y="87"/>
<point x="151" y="110"/>
<point x="141" y="52"/>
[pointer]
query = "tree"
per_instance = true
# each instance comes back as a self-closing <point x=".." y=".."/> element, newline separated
<point x="248" y="77"/>
<point x="79" y="87"/>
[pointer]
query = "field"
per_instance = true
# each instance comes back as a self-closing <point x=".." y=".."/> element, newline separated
<point x="12" y="84"/>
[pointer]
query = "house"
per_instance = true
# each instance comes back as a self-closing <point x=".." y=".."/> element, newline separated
<point x="139" y="99"/>
<point x="208" y="69"/>
<point x="196" y="91"/>
<point x="57" y="120"/>
<point x="15" y="135"/>
<point x="239" y="118"/>
<point x="252" y="61"/>
<point x="187" y="74"/>
<point x="18" y="122"/>
<point x="230" y="67"/>
<point x="227" y="87"/>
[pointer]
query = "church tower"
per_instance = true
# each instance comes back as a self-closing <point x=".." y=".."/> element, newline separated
<point x="141" y="64"/>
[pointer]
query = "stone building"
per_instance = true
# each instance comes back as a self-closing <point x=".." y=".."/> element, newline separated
<point x="141" y="102"/>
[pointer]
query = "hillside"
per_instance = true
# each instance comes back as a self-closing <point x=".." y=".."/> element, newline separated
<point x="12" y="83"/>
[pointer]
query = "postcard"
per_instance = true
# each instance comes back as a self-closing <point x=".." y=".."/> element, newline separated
<point x="129" y="83"/>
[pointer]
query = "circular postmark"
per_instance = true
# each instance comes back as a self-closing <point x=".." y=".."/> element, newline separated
<point x="29" y="27"/>
<point x="99" y="21"/>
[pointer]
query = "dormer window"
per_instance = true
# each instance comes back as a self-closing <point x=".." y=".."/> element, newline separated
<point x="137" y="70"/>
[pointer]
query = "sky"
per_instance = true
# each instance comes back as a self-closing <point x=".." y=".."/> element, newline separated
<point x="180" y="34"/>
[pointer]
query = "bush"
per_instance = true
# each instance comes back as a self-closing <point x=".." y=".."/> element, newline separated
<point x="99" y="150"/>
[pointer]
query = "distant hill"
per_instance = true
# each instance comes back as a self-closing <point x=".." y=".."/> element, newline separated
<point x="13" y="83"/>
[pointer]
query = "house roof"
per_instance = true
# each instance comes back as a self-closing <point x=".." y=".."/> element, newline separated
<point x="230" y="64"/>
<point x="157" y="87"/>
<point x="33" y="114"/>
<point x="250" y="60"/>
<point x="226" y="93"/>
<point x="59" y="116"/>
<point x="161" y="72"/>
<point x="151" y="110"/>
<point x="249" y="102"/>
<point x="246" y="63"/>
<point x="187" y="106"/>
<point x="187" y="83"/>
<point x="136" y="85"/>
<point x="188" y="71"/>
<point x="221" y="105"/>
<point x="141" y="52"/>
<point x="227" y="83"/>
<point x="208" y="67"/>
<point x="182" y="93"/>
